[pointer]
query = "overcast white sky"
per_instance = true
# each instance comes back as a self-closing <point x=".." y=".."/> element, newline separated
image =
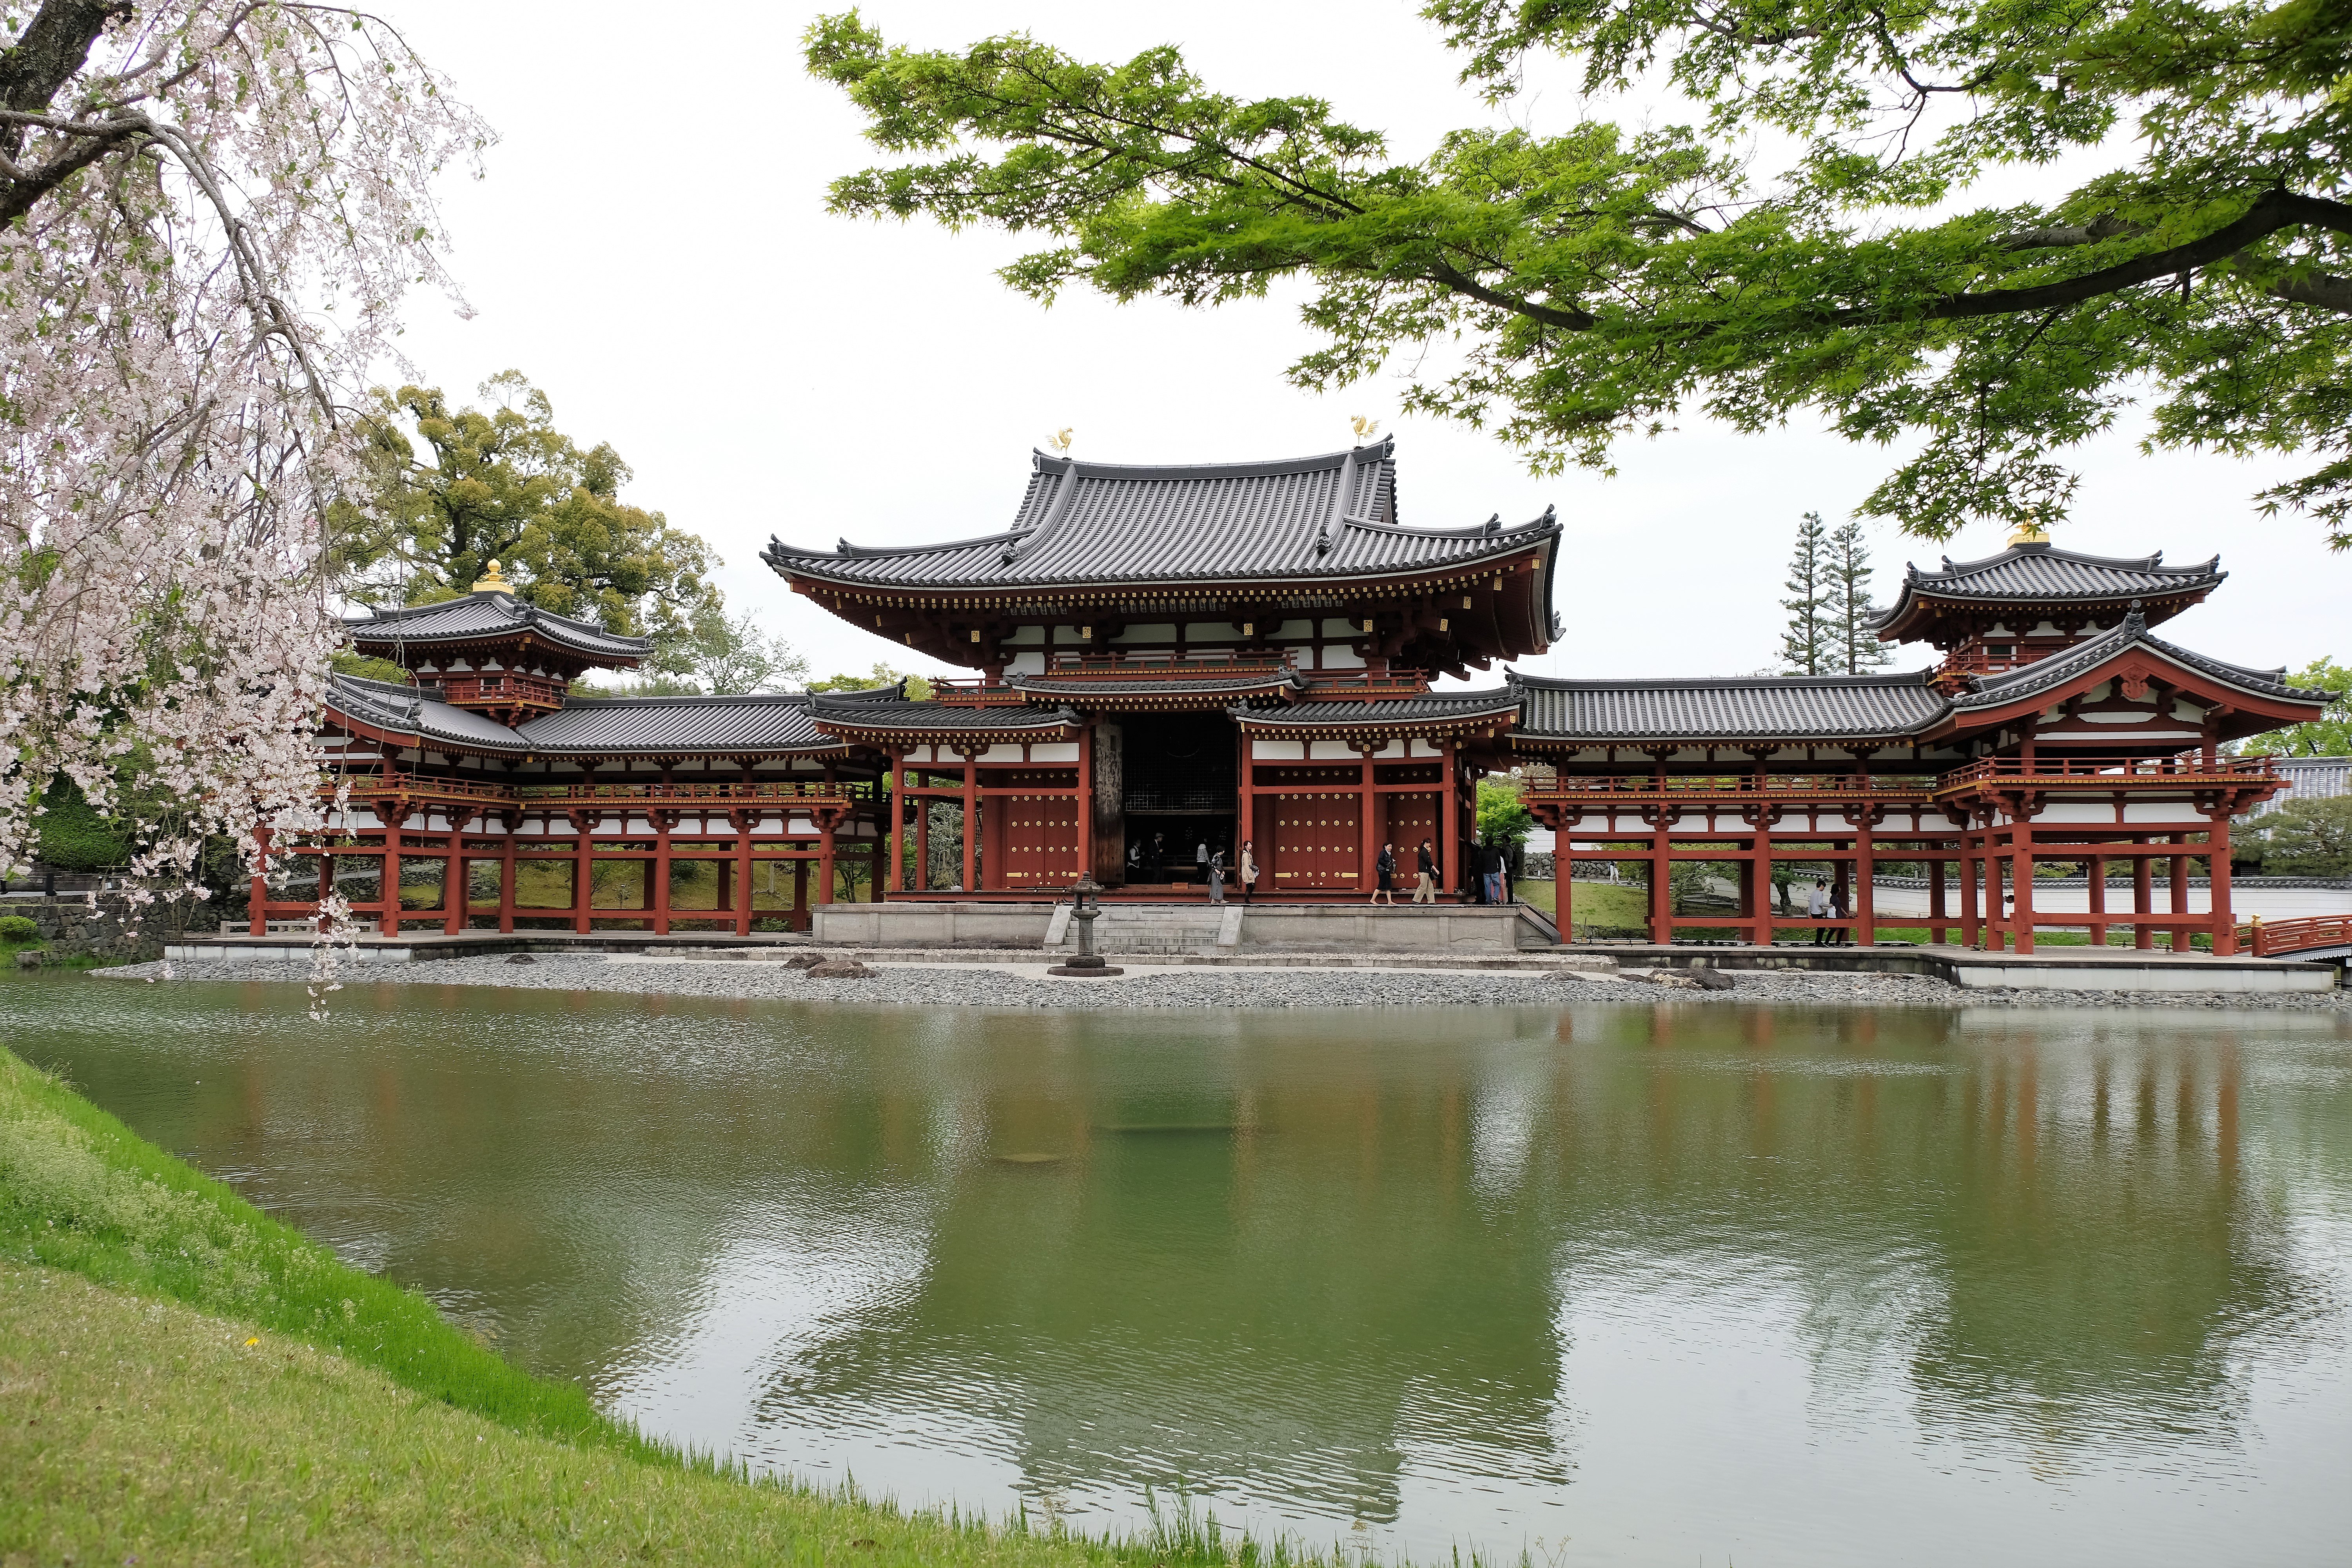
<point x="651" y="248"/>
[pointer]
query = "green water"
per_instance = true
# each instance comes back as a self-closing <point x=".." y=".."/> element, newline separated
<point x="1671" y="1283"/>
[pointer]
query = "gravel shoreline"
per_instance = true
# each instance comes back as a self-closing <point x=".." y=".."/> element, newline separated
<point x="1027" y="985"/>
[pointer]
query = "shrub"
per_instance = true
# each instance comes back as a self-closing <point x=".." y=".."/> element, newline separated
<point x="73" y="837"/>
<point x="17" y="928"/>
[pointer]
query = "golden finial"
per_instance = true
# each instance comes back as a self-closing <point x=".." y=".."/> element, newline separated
<point x="2028" y="532"/>
<point x="490" y="581"/>
<point x="1060" y="440"/>
<point x="1365" y="430"/>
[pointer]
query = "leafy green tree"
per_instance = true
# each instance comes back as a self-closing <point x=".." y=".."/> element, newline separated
<point x="1855" y="647"/>
<point x="1504" y="819"/>
<point x="2174" y="225"/>
<point x="2309" y="838"/>
<point x="721" y="654"/>
<point x="917" y="689"/>
<point x="2330" y="734"/>
<point x="1807" y="646"/>
<point x="502" y="483"/>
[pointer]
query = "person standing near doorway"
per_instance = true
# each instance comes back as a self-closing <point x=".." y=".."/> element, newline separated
<point x="1249" y="870"/>
<point x="1838" y="907"/>
<point x="1424" y="888"/>
<point x="1200" y="859"/>
<point x="1817" y="906"/>
<point x="1384" y="871"/>
<point x="1213" y="868"/>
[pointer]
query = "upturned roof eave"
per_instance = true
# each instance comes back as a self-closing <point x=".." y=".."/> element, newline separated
<point x="1510" y="544"/>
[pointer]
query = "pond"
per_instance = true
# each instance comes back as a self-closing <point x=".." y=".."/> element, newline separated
<point x="1669" y="1283"/>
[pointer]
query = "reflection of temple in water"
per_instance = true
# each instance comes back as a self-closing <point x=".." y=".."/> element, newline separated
<point x="1305" y="1252"/>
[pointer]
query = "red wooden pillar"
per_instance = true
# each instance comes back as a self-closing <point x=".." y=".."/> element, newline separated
<point x="1758" y="889"/>
<point x="1083" y="804"/>
<point x="2021" y="876"/>
<point x="2095" y="897"/>
<point x="800" y="920"/>
<point x="746" y="824"/>
<point x="1367" y="830"/>
<point x="1865" y="906"/>
<point x="1938" y="932"/>
<point x="2182" y="939"/>
<point x="1448" y="875"/>
<point x="826" y="820"/>
<point x="2225" y="922"/>
<point x="512" y="823"/>
<point x="391" y="814"/>
<point x="1971" y="928"/>
<point x="971" y="820"/>
<point x="658" y="895"/>
<point x="898" y="825"/>
<point x="258" y="902"/>
<point x="2143" y="894"/>
<point x="1662" y="903"/>
<point x="584" y="827"/>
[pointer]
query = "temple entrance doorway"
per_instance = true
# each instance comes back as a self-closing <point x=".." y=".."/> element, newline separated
<point x="1181" y="781"/>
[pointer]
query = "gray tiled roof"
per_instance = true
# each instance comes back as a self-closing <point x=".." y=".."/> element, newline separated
<point x="2032" y="574"/>
<point x="2043" y="674"/>
<point x="404" y="710"/>
<point x="761" y="723"/>
<point x="1738" y="708"/>
<point x="1424" y="707"/>
<point x="833" y="710"/>
<point x="490" y="615"/>
<point x="1329" y="517"/>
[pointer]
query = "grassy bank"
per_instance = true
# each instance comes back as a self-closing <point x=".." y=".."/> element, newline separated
<point x="185" y="1380"/>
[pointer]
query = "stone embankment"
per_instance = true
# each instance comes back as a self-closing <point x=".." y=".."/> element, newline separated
<point x="1027" y="985"/>
<point x="72" y="924"/>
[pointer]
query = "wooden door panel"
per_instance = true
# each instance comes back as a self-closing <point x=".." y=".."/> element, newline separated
<point x="1318" y="839"/>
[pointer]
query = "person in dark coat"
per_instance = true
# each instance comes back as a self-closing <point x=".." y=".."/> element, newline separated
<point x="1424" y="889"/>
<point x="1384" y="869"/>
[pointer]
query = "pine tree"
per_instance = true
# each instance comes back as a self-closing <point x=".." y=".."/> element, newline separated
<point x="1805" y="647"/>
<point x="1852" y="642"/>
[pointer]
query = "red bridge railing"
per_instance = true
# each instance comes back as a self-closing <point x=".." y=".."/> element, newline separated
<point x="2266" y="938"/>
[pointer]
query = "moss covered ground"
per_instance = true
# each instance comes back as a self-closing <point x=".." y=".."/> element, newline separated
<point x="185" y="1380"/>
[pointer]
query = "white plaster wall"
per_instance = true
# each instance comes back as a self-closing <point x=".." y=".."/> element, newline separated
<point x="1054" y="751"/>
<point x="1278" y="750"/>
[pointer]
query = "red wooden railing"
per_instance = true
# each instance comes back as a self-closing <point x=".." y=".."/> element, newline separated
<point x="1772" y="786"/>
<point x="491" y="690"/>
<point x="2065" y="767"/>
<point x="650" y="792"/>
<point x="2265" y="938"/>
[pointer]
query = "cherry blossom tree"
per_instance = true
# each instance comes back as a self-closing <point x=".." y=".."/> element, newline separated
<point x="209" y="212"/>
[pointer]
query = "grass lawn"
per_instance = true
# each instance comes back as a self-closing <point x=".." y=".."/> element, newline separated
<point x="185" y="1380"/>
<point x="1618" y="905"/>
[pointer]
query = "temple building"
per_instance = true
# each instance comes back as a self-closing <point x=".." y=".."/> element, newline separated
<point x="1169" y="663"/>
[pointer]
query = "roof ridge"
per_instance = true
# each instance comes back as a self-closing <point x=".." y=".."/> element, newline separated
<point x="1720" y="682"/>
<point x="1383" y="450"/>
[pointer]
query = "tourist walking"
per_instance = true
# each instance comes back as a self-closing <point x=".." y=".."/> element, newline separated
<point x="1838" y="937"/>
<point x="1249" y="870"/>
<point x="1494" y="873"/>
<point x="1214" y="868"/>
<point x="1200" y="859"/>
<point x="1424" y="887"/>
<point x="1817" y="906"/>
<point x="1384" y="874"/>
